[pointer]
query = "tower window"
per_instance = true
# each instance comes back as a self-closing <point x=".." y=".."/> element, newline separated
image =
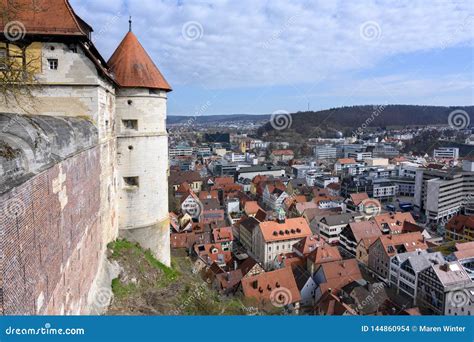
<point x="130" y="124"/>
<point x="53" y="64"/>
<point x="131" y="181"/>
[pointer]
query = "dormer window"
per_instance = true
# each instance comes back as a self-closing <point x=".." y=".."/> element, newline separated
<point x="53" y="64"/>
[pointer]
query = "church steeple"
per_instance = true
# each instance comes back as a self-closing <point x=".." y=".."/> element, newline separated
<point x="130" y="24"/>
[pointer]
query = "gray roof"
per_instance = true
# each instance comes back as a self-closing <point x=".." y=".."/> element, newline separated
<point x="260" y="168"/>
<point x="335" y="220"/>
<point x="421" y="260"/>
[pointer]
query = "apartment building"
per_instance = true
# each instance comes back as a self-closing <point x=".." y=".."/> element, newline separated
<point x="406" y="267"/>
<point x="325" y="152"/>
<point x="387" y="246"/>
<point x="446" y="289"/>
<point x="446" y="153"/>
<point x="274" y="238"/>
<point x="442" y="194"/>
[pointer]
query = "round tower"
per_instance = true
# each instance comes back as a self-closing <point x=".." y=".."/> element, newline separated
<point x="142" y="148"/>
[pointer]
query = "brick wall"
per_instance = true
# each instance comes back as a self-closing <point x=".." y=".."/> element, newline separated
<point x="50" y="241"/>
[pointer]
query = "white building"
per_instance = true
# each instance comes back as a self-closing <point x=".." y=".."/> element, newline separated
<point x="273" y="238"/>
<point x="441" y="194"/>
<point x="325" y="152"/>
<point x="406" y="267"/>
<point x="446" y="153"/>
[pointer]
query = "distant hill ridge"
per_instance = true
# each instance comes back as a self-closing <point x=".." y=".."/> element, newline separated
<point x="347" y="119"/>
<point x="201" y="119"/>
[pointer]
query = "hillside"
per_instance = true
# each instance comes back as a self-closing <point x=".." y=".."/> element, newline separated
<point x="202" y="119"/>
<point x="327" y="123"/>
<point x="147" y="287"/>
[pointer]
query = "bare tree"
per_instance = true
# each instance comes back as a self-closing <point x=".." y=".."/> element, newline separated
<point x="17" y="68"/>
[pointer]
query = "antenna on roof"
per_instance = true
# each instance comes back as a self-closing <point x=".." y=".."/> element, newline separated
<point x="130" y="24"/>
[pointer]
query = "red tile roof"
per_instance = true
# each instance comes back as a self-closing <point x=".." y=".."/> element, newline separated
<point x="293" y="228"/>
<point x="410" y="241"/>
<point x="282" y="152"/>
<point x="459" y="223"/>
<point x="272" y="287"/>
<point x="223" y="234"/>
<point x="52" y="17"/>
<point x="359" y="198"/>
<point x="364" y="230"/>
<point x="344" y="161"/>
<point x="325" y="253"/>
<point x="208" y="195"/>
<point x="251" y="207"/>
<point x="394" y="221"/>
<point x="133" y="67"/>
<point x="338" y="274"/>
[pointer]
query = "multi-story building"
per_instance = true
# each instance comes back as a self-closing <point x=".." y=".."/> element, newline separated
<point x="460" y="227"/>
<point x="446" y="153"/>
<point x="282" y="156"/>
<point x="446" y="289"/>
<point x="325" y="152"/>
<point x="273" y="197"/>
<point x="387" y="246"/>
<point x="274" y="238"/>
<point x="324" y="181"/>
<point x="354" y="232"/>
<point x="261" y="170"/>
<point x="330" y="226"/>
<point x="360" y="156"/>
<point x="441" y="194"/>
<point x="383" y="151"/>
<point x="180" y="150"/>
<point x="406" y="267"/>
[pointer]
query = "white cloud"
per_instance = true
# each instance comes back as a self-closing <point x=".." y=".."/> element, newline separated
<point x="257" y="43"/>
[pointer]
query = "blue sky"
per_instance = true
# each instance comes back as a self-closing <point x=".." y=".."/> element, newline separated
<point x="255" y="56"/>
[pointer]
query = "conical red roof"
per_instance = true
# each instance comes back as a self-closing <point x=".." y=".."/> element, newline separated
<point x="133" y="67"/>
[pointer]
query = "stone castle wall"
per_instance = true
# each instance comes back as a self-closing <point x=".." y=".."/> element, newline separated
<point x="51" y="239"/>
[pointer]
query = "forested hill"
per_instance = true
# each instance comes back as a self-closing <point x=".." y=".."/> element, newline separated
<point x="348" y="119"/>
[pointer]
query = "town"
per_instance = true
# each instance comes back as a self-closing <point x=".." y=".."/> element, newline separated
<point x="356" y="227"/>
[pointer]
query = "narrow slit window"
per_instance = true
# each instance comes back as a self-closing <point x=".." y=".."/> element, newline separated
<point x="130" y="124"/>
<point x="131" y="181"/>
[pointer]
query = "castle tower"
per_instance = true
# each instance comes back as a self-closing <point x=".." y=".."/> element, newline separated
<point x="142" y="148"/>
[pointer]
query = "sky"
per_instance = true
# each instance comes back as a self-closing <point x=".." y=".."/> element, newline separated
<point x="259" y="57"/>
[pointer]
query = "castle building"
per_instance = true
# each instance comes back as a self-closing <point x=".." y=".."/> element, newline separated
<point x="83" y="160"/>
